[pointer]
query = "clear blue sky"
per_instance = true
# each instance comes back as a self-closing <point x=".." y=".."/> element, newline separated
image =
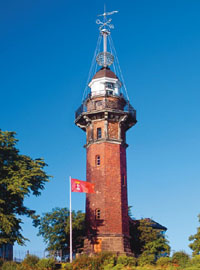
<point x="46" y="48"/>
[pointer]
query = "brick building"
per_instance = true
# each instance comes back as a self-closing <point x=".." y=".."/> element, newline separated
<point x="105" y="115"/>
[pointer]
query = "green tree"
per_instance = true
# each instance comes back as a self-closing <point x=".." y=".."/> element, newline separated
<point x="147" y="240"/>
<point x="195" y="246"/>
<point x="181" y="258"/>
<point x="54" y="227"/>
<point x="20" y="176"/>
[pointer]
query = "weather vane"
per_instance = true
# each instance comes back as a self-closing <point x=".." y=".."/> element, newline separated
<point x="106" y="23"/>
<point x="105" y="58"/>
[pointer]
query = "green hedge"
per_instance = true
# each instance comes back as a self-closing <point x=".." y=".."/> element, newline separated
<point x="108" y="261"/>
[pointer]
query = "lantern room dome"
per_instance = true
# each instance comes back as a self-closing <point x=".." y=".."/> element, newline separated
<point x="105" y="72"/>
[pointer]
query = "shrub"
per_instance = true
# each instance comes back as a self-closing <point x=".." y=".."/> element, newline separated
<point x="110" y="259"/>
<point x="46" y="264"/>
<point x="21" y="267"/>
<point x="30" y="262"/>
<point x="1" y="262"/>
<point x="163" y="261"/>
<point x="105" y="257"/>
<point x="82" y="262"/>
<point x="192" y="267"/>
<point x="108" y="267"/>
<point x="195" y="260"/>
<point x="127" y="261"/>
<point x="181" y="258"/>
<point x="9" y="266"/>
<point x="146" y="259"/>
<point x="66" y="266"/>
<point x="95" y="262"/>
<point x="118" y="267"/>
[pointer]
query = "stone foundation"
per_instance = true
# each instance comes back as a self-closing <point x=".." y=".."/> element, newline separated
<point x="119" y="244"/>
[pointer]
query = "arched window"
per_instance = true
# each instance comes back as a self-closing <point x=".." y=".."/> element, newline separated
<point x="98" y="213"/>
<point x="98" y="160"/>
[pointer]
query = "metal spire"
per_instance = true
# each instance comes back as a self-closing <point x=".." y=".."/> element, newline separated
<point x="105" y="58"/>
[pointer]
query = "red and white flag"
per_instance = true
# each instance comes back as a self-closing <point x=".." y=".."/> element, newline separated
<point x="81" y="186"/>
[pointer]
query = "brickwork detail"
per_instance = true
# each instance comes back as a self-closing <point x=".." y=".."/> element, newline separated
<point x="111" y="195"/>
<point x="100" y="103"/>
<point x="113" y="132"/>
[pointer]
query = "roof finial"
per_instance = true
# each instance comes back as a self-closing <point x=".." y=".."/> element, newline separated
<point x="106" y="23"/>
<point x="104" y="28"/>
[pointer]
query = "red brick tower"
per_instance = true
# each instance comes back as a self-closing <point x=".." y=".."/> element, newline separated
<point x="106" y="115"/>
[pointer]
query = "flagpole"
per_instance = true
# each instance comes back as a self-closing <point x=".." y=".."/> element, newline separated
<point x="70" y="216"/>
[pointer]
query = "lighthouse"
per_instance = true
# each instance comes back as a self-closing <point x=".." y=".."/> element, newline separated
<point x="106" y="115"/>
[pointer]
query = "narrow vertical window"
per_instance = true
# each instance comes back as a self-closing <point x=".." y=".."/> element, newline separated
<point x="98" y="160"/>
<point x="98" y="133"/>
<point x="98" y="213"/>
<point x="123" y="180"/>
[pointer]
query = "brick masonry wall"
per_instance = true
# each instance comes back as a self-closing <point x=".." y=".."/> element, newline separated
<point x="100" y="103"/>
<point x="98" y="124"/>
<point x="110" y="187"/>
<point x="114" y="243"/>
<point x="113" y="128"/>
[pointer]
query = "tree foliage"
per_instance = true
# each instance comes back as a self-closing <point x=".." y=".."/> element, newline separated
<point x="146" y="240"/>
<point x="54" y="227"/>
<point x="30" y="261"/>
<point x="20" y="176"/>
<point x="195" y="246"/>
<point x="180" y="258"/>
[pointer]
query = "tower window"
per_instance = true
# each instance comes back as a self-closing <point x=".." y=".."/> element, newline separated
<point x="123" y="180"/>
<point x="109" y="85"/>
<point x="98" y="213"/>
<point x="98" y="133"/>
<point x="98" y="160"/>
<point x="108" y="92"/>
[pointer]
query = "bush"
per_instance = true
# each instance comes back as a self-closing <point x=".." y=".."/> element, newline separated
<point x="46" y="264"/>
<point x="81" y="262"/>
<point x="163" y="261"/>
<point x="195" y="260"/>
<point x="118" y="267"/>
<point x="146" y="259"/>
<point x="110" y="259"/>
<point x="108" y="267"/>
<point x="180" y="258"/>
<point x="194" y="267"/>
<point x="127" y="261"/>
<point x="9" y="266"/>
<point x="1" y="262"/>
<point x="66" y="266"/>
<point x="194" y="263"/>
<point x="30" y="262"/>
<point x="97" y="262"/>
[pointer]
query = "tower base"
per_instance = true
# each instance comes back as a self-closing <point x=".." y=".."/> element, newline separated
<point x="114" y="243"/>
